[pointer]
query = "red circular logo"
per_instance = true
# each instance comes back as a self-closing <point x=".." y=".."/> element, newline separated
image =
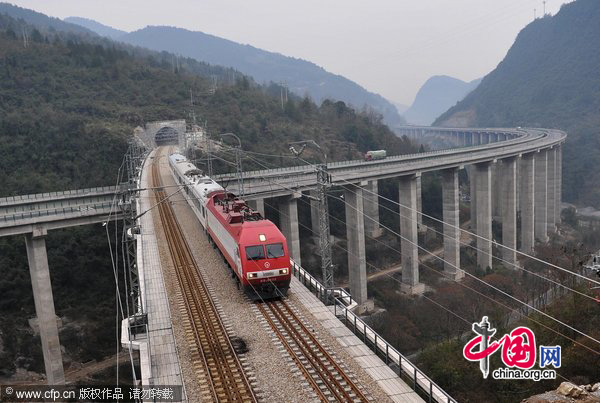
<point x="267" y="265"/>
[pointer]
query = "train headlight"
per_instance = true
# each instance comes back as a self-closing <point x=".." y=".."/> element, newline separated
<point x="283" y="271"/>
<point x="252" y="275"/>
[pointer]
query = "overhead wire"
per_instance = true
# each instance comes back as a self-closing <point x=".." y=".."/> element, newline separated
<point x="446" y="275"/>
<point x="118" y="302"/>
<point x="474" y="247"/>
<point x="462" y="242"/>
<point x="467" y="231"/>
<point x="441" y="306"/>
<point x="480" y="280"/>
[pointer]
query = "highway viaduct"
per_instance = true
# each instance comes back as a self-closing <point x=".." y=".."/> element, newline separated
<point x="510" y="170"/>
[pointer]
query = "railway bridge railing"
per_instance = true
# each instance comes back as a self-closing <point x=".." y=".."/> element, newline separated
<point x="343" y="305"/>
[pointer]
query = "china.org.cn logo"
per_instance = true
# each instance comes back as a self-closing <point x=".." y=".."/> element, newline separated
<point x="519" y="353"/>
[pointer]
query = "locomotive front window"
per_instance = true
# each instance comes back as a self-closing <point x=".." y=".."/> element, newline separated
<point x="255" y="252"/>
<point x="275" y="250"/>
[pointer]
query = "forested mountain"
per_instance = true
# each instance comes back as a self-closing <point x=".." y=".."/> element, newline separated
<point x="435" y="97"/>
<point x="100" y="29"/>
<point x="42" y="21"/>
<point x="68" y="105"/>
<point x="96" y="93"/>
<point x="549" y="78"/>
<point x="301" y="76"/>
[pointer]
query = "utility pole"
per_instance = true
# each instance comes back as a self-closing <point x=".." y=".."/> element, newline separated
<point x="544" y="2"/>
<point x="133" y="158"/>
<point x="323" y="184"/>
<point x="238" y="163"/>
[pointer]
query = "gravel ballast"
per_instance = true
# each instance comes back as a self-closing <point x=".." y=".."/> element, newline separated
<point x="276" y="379"/>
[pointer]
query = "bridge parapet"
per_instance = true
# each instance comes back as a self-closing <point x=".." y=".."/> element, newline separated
<point x="65" y="194"/>
<point x="278" y="182"/>
<point x="343" y="305"/>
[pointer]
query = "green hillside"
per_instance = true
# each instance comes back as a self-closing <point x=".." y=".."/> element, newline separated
<point x="68" y="105"/>
<point x="302" y="76"/>
<point x="67" y="109"/>
<point x="549" y="78"/>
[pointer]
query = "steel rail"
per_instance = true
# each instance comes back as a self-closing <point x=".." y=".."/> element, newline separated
<point x="322" y="371"/>
<point x="213" y="356"/>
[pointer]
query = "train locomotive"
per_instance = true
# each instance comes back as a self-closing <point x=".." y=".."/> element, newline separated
<point x="253" y="247"/>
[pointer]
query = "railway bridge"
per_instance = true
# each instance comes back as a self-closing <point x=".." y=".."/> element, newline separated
<point x="509" y="170"/>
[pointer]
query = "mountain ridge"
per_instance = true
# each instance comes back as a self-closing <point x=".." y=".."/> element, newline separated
<point x="549" y="78"/>
<point x="95" y="26"/>
<point x="301" y="76"/>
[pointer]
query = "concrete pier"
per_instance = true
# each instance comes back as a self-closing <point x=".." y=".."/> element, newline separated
<point x="497" y="191"/>
<point x="541" y="212"/>
<point x="527" y="204"/>
<point x="473" y="204"/>
<point x="355" y="235"/>
<point x="288" y="218"/>
<point x="483" y="190"/>
<point x="419" y="204"/>
<point x="314" y="214"/>
<point x="408" y="230"/>
<point x="508" y="200"/>
<point x="551" y="203"/>
<point x="371" y="209"/>
<point x="44" y="305"/>
<point x="450" y="207"/>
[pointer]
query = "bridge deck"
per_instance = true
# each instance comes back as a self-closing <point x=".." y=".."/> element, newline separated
<point x="278" y="182"/>
<point x="20" y="214"/>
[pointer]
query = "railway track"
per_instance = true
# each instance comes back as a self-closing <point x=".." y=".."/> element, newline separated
<point x="220" y="373"/>
<point x="326" y="377"/>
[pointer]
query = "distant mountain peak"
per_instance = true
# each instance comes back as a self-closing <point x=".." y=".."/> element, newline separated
<point x="95" y="26"/>
<point x="439" y="93"/>
<point x="549" y="78"/>
<point x="41" y="20"/>
<point x="302" y="76"/>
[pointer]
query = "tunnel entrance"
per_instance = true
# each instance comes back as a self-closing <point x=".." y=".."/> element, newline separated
<point x="166" y="136"/>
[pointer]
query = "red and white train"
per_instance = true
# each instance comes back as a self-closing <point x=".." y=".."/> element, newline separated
<point x="254" y="248"/>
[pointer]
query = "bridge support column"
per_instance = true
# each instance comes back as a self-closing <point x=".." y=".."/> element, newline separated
<point x="288" y="218"/>
<point x="371" y="209"/>
<point x="483" y="209"/>
<point x="44" y="305"/>
<point x="558" y="197"/>
<point x="450" y="207"/>
<point x="497" y="191"/>
<point x="408" y="230"/>
<point x="527" y="204"/>
<point x="258" y="205"/>
<point x="541" y="196"/>
<point x="508" y="199"/>
<point x="473" y="206"/>
<point x="551" y="203"/>
<point x="314" y="215"/>
<point x="355" y="235"/>
<point x="420" y="226"/>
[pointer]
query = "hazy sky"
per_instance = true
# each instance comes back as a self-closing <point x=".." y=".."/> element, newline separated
<point x="388" y="46"/>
